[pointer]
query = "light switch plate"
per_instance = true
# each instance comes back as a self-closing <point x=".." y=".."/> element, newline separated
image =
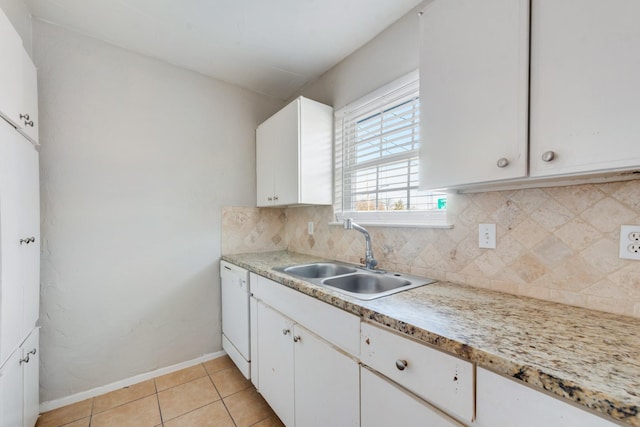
<point x="487" y="236"/>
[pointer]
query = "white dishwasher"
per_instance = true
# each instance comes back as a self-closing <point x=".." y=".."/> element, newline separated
<point x="235" y="315"/>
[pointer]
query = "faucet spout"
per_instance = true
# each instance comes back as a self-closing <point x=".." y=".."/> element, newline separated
<point x="369" y="261"/>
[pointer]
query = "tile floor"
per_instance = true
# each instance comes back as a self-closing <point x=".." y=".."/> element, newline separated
<point x="213" y="393"/>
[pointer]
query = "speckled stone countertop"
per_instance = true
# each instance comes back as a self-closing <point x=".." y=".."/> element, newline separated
<point x="589" y="357"/>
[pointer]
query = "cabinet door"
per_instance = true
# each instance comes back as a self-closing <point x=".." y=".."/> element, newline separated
<point x="10" y="71"/>
<point x="286" y="154"/>
<point x="502" y="402"/>
<point x="20" y="243"/>
<point x="11" y="391"/>
<point x="28" y="177"/>
<point x="31" y="377"/>
<point x="385" y="404"/>
<point x="326" y="383"/>
<point x="585" y="62"/>
<point x="275" y="363"/>
<point x="264" y="165"/>
<point x="28" y="125"/>
<point x="11" y="231"/>
<point x="473" y="91"/>
<point x="253" y="315"/>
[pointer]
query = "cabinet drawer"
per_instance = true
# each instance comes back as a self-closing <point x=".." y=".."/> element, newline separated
<point x="439" y="378"/>
<point x="385" y="404"/>
<point x="332" y="324"/>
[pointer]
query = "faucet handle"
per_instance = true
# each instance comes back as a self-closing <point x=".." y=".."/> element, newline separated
<point x="348" y="223"/>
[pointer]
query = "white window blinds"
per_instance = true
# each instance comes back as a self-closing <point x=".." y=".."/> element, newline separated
<point x="376" y="156"/>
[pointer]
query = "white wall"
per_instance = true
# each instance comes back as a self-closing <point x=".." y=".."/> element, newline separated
<point x="18" y="13"/>
<point x="391" y="54"/>
<point x="137" y="159"/>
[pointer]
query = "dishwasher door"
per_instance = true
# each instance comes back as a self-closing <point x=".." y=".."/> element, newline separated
<point x="235" y="314"/>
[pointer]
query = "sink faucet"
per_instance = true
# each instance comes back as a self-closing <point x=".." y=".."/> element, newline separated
<point x="369" y="261"/>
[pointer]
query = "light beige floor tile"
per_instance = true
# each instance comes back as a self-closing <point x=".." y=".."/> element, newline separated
<point x="139" y="413"/>
<point x="247" y="407"/>
<point x="184" y="398"/>
<point x="123" y="395"/>
<point x="272" y="421"/>
<point x="85" y="422"/>
<point x="218" y="364"/>
<point x="212" y="415"/>
<point x="230" y="381"/>
<point x="180" y="377"/>
<point x="66" y="414"/>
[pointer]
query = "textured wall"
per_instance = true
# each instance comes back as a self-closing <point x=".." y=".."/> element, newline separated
<point x="557" y="244"/>
<point x="137" y="158"/>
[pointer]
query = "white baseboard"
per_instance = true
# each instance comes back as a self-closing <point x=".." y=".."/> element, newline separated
<point x="78" y="397"/>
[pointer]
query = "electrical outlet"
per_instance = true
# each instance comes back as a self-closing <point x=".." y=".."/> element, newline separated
<point x="310" y="228"/>
<point x="630" y="242"/>
<point x="487" y="236"/>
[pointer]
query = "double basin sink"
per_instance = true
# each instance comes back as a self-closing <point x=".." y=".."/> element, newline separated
<point x="355" y="281"/>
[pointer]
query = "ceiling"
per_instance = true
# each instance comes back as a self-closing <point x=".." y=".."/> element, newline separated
<point x="272" y="47"/>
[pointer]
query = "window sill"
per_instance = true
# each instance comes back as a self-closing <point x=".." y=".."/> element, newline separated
<point x="390" y="224"/>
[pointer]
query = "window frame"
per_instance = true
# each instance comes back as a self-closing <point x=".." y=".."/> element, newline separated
<point x="407" y="218"/>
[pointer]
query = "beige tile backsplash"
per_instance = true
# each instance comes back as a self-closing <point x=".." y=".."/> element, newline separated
<point x="557" y="244"/>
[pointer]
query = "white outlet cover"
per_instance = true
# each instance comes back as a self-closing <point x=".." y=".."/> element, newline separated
<point x="629" y="242"/>
<point x="487" y="236"/>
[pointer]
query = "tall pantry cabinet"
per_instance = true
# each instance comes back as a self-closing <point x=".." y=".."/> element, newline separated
<point x="19" y="234"/>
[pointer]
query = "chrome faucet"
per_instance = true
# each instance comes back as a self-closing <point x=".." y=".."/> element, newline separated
<point x="370" y="262"/>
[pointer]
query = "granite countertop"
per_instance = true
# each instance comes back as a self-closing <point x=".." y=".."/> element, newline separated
<point x="589" y="357"/>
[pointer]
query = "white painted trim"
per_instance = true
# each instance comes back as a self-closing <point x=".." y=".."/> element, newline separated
<point x="78" y="397"/>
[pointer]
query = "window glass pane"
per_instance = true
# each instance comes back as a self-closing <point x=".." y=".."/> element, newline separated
<point x="377" y="155"/>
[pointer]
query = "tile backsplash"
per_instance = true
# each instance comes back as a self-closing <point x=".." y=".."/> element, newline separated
<point x="557" y="244"/>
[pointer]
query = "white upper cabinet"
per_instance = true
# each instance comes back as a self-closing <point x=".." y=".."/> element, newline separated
<point x="585" y="63"/>
<point x="10" y="71"/>
<point x="473" y="91"/>
<point x="18" y="83"/>
<point x="28" y="117"/>
<point x="293" y="155"/>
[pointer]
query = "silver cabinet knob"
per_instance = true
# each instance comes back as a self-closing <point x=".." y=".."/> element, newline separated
<point x="32" y="352"/>
<point x="270" y="199"/>
<point x="285" y="331"/>
<point x="28" y="240"/>
<point x="502" y="162"/>
<point x="24" y="116"/>
<point x="29" y="123"/>
<point x="547" y="156"/>
<point x="275" y="197"/>
<point x="401" y="364"/>
<point x="297" y="338"/>
<point x="25" y="360"/>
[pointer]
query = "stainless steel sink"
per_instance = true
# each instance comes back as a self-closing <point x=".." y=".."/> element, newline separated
<point x="362" y="283"/>
<point x="319" y="270"/>
<point x="353" y="280"/>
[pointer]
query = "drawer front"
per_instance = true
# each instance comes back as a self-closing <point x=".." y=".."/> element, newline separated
<point x="332" y="324"/>
<point x="385" y="404"/>
<point x="441" y="379"/>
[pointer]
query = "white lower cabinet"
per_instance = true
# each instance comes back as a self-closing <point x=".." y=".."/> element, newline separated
<point x="275" y="362"/>
<point x="306" y="380"/>
<point x="19" y="385"/>
<point x="384" y="404"/>
<point x="326" y="382"/>
<point x="503" y="402"/>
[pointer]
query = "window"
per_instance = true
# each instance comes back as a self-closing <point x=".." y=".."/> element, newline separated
<point x="376" y="159"/>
